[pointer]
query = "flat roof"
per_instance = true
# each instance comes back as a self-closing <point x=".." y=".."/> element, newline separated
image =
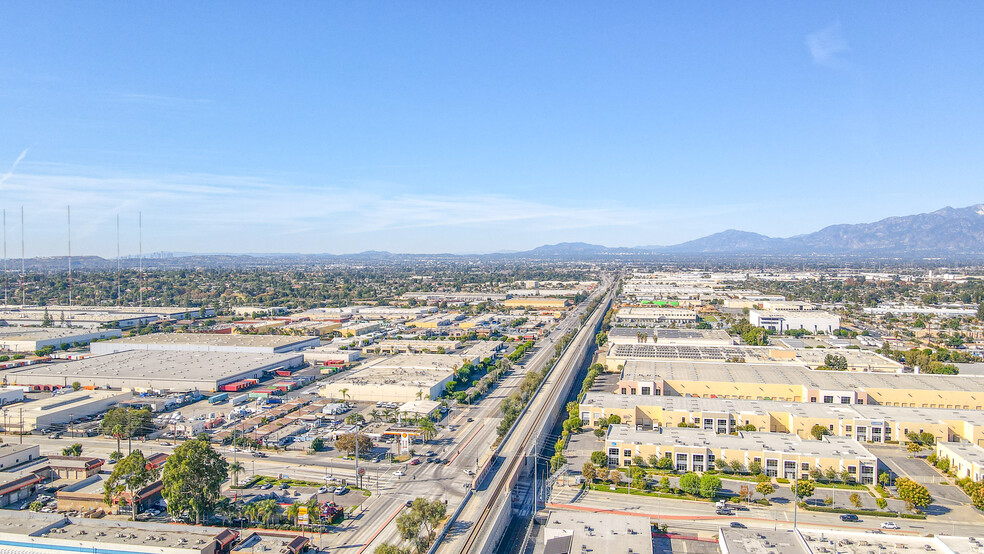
<point x="68" y="400"/>
<point x="761" y="541"/>
<point x="814" y="357"/>
<point x="828" y="447"/>
<point x="970" y="452"/>
<point x="817" y="410"/>
<point x="431" y="362"/>
<point x="598" y="532"/>
<point x="155" y="364"/>
<point x="25" y="333"/>
<point x="210" y="339"/>
<point x="652" y="370"/>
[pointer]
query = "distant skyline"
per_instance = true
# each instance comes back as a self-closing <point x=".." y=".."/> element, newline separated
<point x="437" y="127"/>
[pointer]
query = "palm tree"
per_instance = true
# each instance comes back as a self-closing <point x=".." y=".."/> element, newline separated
<point x="427" y="428"/>
<point x="374" y="414"/>
<point x="235" y="468"/>
<point x="118" y="433"/>
<point x="292" y="512"/>
<point x="344" y="393"/>
<point x="268" y="510"/>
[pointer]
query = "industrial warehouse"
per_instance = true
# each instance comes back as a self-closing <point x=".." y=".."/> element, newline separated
<point x="401" y="378"/>
<point x="866" y="423"/>
<point x="98" y="316"/>
<point x="31" y="339"/>
<point x="155" y="370"/>
<point x="799" y="384"/>
<point x="201" y="342"/>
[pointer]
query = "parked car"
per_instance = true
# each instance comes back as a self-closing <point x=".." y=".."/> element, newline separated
<point x="266" y="486"/>
<point x="323" y="490"/>
<point x="284" y="486"/>
<point x="889" y="525"/>
<point x="850" y="517"/>
<point x="343" y="490"/>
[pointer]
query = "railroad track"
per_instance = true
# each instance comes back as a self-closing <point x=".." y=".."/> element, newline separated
<point x="505" y="475"/>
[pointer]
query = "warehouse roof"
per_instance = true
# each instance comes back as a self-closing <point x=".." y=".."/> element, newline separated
<point x="816" y="410"/>
<point x="155" y="364"/>
<point x="208" y="339"/>
<point x="969" y="452"/>
<point x="828" y="447"/>
<point x="856" y="359"/>
<point x="22" y="333"/>
<point x="652" y="370"/>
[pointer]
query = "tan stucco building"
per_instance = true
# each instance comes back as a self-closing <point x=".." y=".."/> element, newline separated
<point x="780" y="454"/>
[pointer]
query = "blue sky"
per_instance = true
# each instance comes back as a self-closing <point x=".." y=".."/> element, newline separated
<point x="476" y="127"/>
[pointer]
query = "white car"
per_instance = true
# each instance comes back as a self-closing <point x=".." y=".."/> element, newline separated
<point x="399" y="473"/>
<point x="889" y="525"/>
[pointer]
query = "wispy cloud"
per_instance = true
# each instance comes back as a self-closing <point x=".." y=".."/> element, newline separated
<point x="825" y="45"/>
<point x="13" y="167"/>
<point x="206" y="212"/>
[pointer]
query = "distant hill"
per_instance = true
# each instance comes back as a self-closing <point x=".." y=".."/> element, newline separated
<point x="945" y="233"/>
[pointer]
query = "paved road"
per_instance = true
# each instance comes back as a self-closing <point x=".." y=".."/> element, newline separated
<point x="685" y="516"/>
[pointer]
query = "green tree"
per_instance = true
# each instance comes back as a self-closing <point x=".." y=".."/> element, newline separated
<point x="599" y="458"/>
<point x="664" y="463"/>
<point x="73" y="450"/>
<point x="427" y="429"/>
<point x="653" y="460"/>
<point x="754" y="467"/>
<point x="835" y="361"/>
<point x="418" y="524"/>
<point x="881" y="503"/>
<point x="980" y="311"/>
<point x="818" y="431"/>
<point x="913" y="493"/>
<point x="690" y="483"/>
<point x="638" y="461"/>
<point x="346" y="444"/>
<point x="589" y="472"/>
<point x="709" y="485"/>
<point x="601" y="338"/>
<point x="856" y="500"/>
<point x="76" y="385"/>
<point x="805" y="488"/>
<point x="765" y="489"/>
<point x="128" y="477"/>
<point x="235" y="468"/>
<point x="193" y="476"/>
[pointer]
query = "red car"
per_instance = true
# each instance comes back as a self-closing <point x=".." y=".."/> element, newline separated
<point x="415" y="461"/>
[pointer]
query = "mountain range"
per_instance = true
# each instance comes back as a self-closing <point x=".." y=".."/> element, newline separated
<point x="949" y="233"/>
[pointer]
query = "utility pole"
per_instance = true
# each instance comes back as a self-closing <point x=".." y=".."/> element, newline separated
<point x="140" y="239"/>
<point x="5" y="257"/>
<point x="119" y="298"/>
<point x="23" y="301"/>
<point x="795" y="496"/>
<point x="70" y="258"/>
<point x="356" y="454"/>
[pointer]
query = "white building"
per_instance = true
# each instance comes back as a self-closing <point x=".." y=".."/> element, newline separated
<point x="780" y="321"/>
<point x="206" y="342"/>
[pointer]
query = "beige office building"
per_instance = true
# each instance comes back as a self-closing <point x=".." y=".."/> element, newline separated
<point x="781" y="455"/>
<point x="798" y="384"/>
<point x="865" y="423"/>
